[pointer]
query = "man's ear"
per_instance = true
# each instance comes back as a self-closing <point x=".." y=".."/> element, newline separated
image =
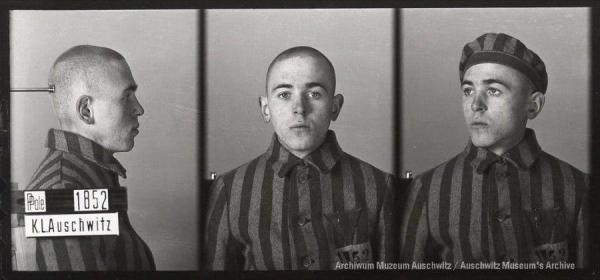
<point x="263" y="104"/>
<point x="336" y="107"/>
<point x="84" y="109"/>
<point x="536" y="103"/>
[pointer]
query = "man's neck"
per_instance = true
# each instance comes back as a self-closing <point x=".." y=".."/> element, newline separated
<point x="86" y="135"/>
<point x="300" y="153"/>
<point x="506" y="146"/>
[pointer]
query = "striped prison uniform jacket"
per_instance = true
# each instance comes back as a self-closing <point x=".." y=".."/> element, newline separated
<point x="280" y="212"/>
<point x="524" y="206"/>
<point x="76" y="162"/>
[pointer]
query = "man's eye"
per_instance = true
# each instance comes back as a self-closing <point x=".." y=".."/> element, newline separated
<point x="494" y="91"/>
<point x="283" y="95"/>
<point x="315" y="94"/>
<point x="468" y="91"/>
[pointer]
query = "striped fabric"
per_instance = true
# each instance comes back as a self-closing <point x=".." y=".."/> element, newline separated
<point x="279" y="212"/>
<point x="523" y="206"/>
<point x="504" y="49"/>
<point x="76" y="162"/>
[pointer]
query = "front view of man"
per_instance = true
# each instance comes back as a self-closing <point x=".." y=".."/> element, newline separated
<point x="304" y="203"/>
<point x="503" y="198"/>
<point x="96" y="105"/>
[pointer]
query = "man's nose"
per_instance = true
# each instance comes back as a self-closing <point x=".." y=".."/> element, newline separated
<point x="479" y="103"/>
<point x="138" y="110"/>
<point x="299" y="105"/>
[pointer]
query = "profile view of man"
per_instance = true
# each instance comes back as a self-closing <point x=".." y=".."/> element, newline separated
<point x="304" y="204"/>
<point x="502" y="199"/>
<point x="96" y="105"/>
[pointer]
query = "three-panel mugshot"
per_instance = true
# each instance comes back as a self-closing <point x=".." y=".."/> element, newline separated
<point x="440" y="140"/>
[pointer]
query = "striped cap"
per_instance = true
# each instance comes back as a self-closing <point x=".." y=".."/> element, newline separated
<point x="504" y="49"/>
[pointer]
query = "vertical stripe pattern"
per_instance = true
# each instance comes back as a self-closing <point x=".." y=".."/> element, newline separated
<point x="280" y="212"/>
<point x="76" y="162"/>
<point x="480" y="207"/>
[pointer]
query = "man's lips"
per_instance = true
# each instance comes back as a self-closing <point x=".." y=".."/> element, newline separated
<point x="299" y="127"/>
<point x="478" y="124"/>
<point x="135" y="129"/>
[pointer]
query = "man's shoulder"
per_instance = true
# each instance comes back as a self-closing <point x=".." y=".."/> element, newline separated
<point x="62" y="170"/>
<point x="439" y="167"/>
<point x="242" y="168"/>
<point x="50" y="172"/>
<point x="563" y="165"/>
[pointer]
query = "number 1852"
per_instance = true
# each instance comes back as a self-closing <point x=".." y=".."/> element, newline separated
<point x="90" y="200"/>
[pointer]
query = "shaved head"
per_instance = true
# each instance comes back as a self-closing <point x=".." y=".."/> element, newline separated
<point x="305" y="51"/>
<point x="78" y="71"/>
<point x="94" y="96"/>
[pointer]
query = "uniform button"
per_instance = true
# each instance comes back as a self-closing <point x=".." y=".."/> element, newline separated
<point x="302" y="178"/>
<point x="303" y="220"/>
<point x="307" y="261"/>
<point x="502" y="216"/>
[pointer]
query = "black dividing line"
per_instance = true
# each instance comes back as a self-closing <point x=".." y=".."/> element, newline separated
<point x="5" y="234"/>
<point x="397" y="95"/>
<point x="594" y="197"/>
<point x="204" y="184"/>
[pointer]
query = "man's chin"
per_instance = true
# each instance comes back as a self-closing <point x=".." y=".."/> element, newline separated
<point x="300" y="145"/>
<point x="481" y="142"/>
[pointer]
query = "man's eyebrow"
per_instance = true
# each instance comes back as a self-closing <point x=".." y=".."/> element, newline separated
<point x="495" y="81"/>
<point x="486" y="82"/>
<point x="315" y="84"/>
<point x="281" y="86"/>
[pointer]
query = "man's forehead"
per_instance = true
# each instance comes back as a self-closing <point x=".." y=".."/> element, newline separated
<point x="491" y="71"/>
<point x="309" y="66"/>
<point x="487" y="73"/>
<point x="302" y="60"/>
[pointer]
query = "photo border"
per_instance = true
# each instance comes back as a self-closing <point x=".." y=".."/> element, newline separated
<point x="594" y="195"/>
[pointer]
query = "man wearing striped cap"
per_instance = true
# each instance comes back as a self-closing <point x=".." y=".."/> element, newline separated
<point x="97" y="109"/>
<point x="304" y="204"/>
<point x="503" y="199"/>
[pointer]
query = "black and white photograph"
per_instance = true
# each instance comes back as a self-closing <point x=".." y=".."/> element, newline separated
<point x="120" y="116"/>
<point x="299" y="140"/>
<point x="300" y="135"/>
<point x="496" y="124"/>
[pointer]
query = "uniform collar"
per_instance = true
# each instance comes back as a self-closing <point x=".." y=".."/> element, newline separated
<point x="323" y="159"/>
<point x="521" y="156"/>
<point x="78" y="145"/>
